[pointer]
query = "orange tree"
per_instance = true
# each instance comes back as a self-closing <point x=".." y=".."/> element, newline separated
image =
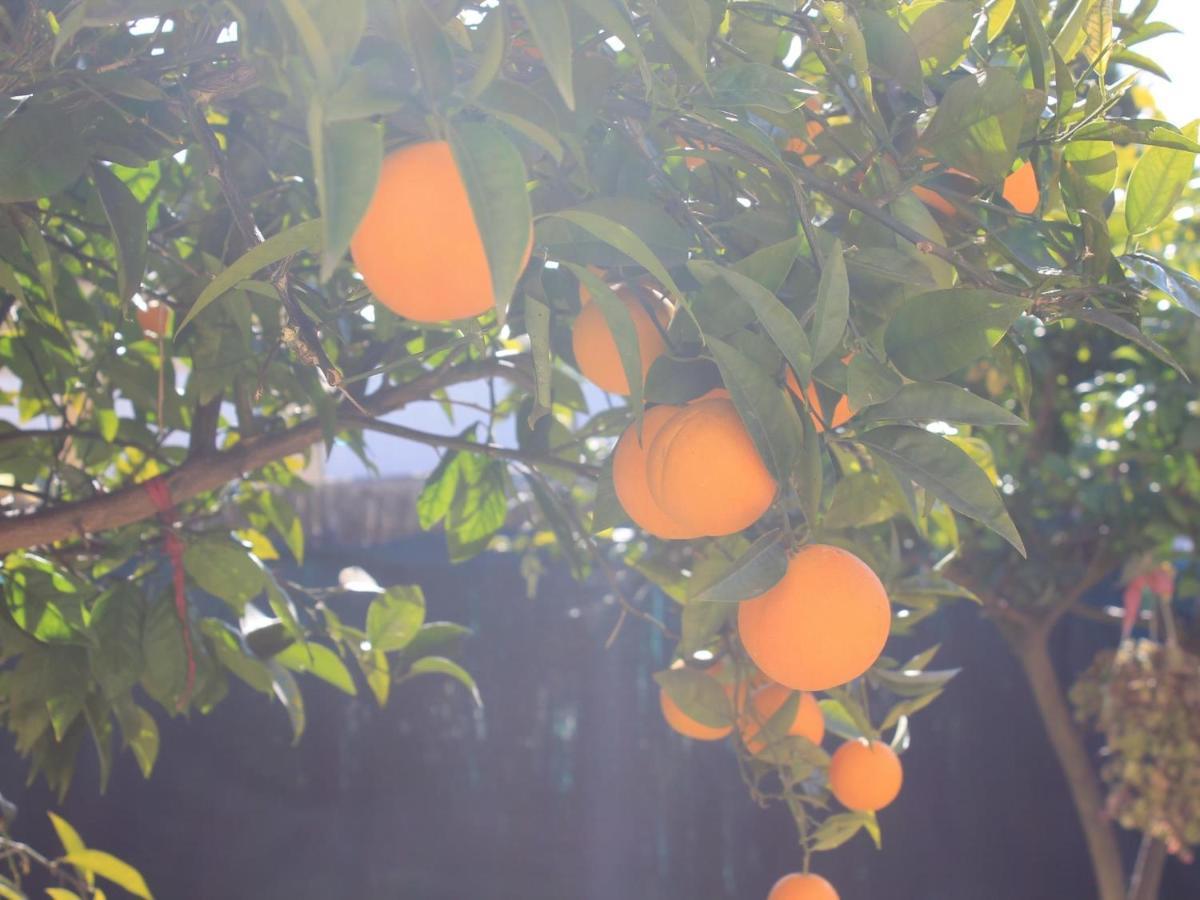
<point x="781" y="230"/>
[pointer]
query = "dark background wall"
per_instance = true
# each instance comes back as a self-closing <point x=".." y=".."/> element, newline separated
<point x="567" y="785"/>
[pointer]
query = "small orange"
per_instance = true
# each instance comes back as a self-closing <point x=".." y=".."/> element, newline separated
<point x="692" y="162"/>
<point x="629" y="476"/>
<point x="842" y="413"/>
<point x="935" y="201"/>
<point x="799" y="145"/>
<point x="155" y="319"/>
<point x="824" y="624"/>
<point x="809" y="721"/>
<point x="865" y="776"/>
<point x="685" y="724"/>
<point x="802" y="886"/>
<point x="1021" y="189"/>
<point x="595" y="348"/>
<point x="705" y="472"/>
<point x="418" y="247"/>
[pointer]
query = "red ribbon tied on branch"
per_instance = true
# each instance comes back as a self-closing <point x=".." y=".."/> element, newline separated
<point x="1160" y="580"/>
<point x="160" y="495"/>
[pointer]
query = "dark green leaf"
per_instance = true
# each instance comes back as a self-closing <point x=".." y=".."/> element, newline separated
<point x="940" y="401"/>
<point x="892" y="52"/>
<point x="978" y="124"/>
<point x="945" y="471"/>
<point x="346" y="160"/>
<point x="833" y="306"/>
<point x="41" y="153"/>
<point x="941" y="34"/>
<point x="128" y="222"/>
<point x="494" y="174"/>
<point x="697" y="694"/>
<point x="757" y="570"/>
<point x="551" y="28"/>
<point x="934" y="334"/>
<point x="439" y="665"/>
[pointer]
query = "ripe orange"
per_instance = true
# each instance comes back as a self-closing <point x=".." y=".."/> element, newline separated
<point x="1021" y="189"/>
<point x="764" y="703"/>
<point x="418" y="247"/>
<point x="595" y="348"/>
<point x="629" y="476"/>
<point x="935" y="201"/>
<point x="155" y="319"/>
<point x="705" y="472"/>
<point x="842" y="412"/>
<point x="865" y="776"/>
<point x="822" y="625"/>
<point x="692" y="162"/>
<point x="802" y="886"/>
<point x="686" y="725"/>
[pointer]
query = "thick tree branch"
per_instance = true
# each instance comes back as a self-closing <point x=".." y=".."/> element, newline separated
<point x="132" y="503"/>
<point x="1034" y="655"/>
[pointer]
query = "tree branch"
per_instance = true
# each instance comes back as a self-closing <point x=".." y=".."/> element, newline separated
<point x="132" y="504"/>
<point x="456" y="443"/>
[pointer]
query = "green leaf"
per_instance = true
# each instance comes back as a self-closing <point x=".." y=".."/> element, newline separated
<point x="394" y="617"/>
<point x="945" y="471"/>
<point x="998" y="14"/>
<point x="108" y="866"/>
<point x="620" y="323"/>
<point x="537" y="324"/>
<point x="139" y="731"/>
<point x="1152" y="132"/>
<point x="225" y="570"/>
<point x="910" y="682"/>
<point x="622" y="238"/>
<point x="1089" y="173"/>
<point x="1131" y="332"/>
<point x="837" y="829"/>
<point x="941" y="34"/>
<point x="978" y="124"/>
<point x="439" y="665"/>
<point x="319" y="660"/>
<point x="760" y="568"/>
<point x="346" y="160"/>
<point x="839" y="721"/>
<point x="492" y="37"/>
<point x="685" y="25"/>
<point x="287" y="692"/>
<point x="494" y="174"/>
<point x="697" y="694"/>
<point x="428" y="47"/>
<point x="833" y="306"/>
<point x="526" y="112"/>
<point x="779" y="322"/>
<point x="858" y="500"/>
<point x="298" y="238"/>
<point x="1156" y="184"/>
<point x="551" y="29"/>
<point x="41" y="153"/>
<point x="941" y="401"/>
<point x="756" y="85"/>
<point x="127" y="219"/>
<point x="1176" y="284"/>
<point x="767" y="412"/>
<point x="892" y="52"/>
<point x="699" y="624"/>
<point x="869" y="382"/>
<point x="934" y="334"/>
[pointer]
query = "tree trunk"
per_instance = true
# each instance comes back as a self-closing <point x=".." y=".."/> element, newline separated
<point x="1148" y="871"/>
<point x="1034" y="655"/>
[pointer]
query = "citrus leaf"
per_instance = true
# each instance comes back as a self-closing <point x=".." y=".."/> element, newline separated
<point x="439" y="665"/>
<point x="941" y="401"/>
<point x="760" y="568"/>
<point x="127" y="219"/>
<point x="551" y="28"/>
<point x="1156" y="184"/>
<point x="934" y="334"/>
<point x="697" y="694"/>
<point x="622" y="238"/>
<point x="319" y="660"/>
<point x="945" y="471"/>
<point x="298" y="238"/>
<point x="978" y="124"/>
<point x="346" y="160"/>
<point x="777" y="320"/>
<point x="394" y="617"/>
<point x="620" y="323"/>
<point x="494" y="174"/>
<point x="108" y="866"/>
<point x="833" y="306"/>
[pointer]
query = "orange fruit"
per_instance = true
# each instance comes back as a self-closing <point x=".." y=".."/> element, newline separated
<point x="865" y="776"/>
<point x="764" y="703"/>
<point x="935" y="201"/>
<point x="685" y="724"/>
<point x="418" y="247"/>
<point x="822" y="625"/>
<point x="629" y="476"/>
<point x="802" y="886"/>
<point x="1021" y="189"/>
<point x="842" y="412"/>
<point x="596" y="352"/>
<point x="692" y="162"/>
<point x="798" y="144"/>
<point x="705" y="472"/>
<point x="155" y="319"/>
